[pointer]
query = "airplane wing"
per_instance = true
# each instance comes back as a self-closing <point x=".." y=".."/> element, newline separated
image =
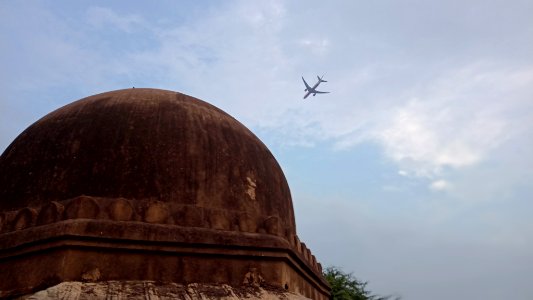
<point x="307" y="87"/>
<point x="319" y="92"/>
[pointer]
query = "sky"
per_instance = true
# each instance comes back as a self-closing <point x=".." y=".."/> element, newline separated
<point x="415" y="173"/>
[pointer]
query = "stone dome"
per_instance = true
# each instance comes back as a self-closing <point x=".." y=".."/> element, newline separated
<point x="144" y="185"/>
<point x="147" y="145"/>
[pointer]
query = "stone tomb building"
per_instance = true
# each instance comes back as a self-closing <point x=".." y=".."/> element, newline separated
<point x="147" y="185"/>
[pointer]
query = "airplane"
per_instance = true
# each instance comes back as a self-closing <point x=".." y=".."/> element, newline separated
<point x="312" y="90"/>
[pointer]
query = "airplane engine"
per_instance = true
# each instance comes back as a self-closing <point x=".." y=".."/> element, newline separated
<point x="314" y="95"/>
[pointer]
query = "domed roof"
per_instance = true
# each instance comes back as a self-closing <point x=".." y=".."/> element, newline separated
<point x="145" y="144"/>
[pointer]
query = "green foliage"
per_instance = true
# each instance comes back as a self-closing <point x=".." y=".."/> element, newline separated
<point x="347" y="287"/>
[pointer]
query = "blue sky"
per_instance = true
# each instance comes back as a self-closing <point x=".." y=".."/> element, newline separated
<point x="414" y="173"/>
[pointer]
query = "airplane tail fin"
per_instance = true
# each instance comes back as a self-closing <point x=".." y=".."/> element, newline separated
<point x="320" y="79"/>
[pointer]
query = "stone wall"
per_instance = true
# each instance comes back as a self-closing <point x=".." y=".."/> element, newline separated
<point x="153" y="291"/>
<point x="88" y="238"/>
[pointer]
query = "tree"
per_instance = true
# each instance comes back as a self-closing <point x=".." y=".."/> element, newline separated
<point x="346" y="287"/>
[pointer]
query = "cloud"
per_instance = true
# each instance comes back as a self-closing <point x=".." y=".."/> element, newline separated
<point x="458" y="121"/>
<point x="429" y="138"/>
<point x="402" y="173"/>
<point x="232" y="57"/>
<point x="316" y="46"/>
<point x="103" y="17"/>
<point x="440" y="185"/>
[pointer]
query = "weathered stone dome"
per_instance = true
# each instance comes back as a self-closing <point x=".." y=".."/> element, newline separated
<point x="146" y="185"/>
<point x="145" y="144"/>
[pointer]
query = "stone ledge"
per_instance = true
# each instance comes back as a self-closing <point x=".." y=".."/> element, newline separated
<point x="140" y="231"/>
<point x="85" y="241"/>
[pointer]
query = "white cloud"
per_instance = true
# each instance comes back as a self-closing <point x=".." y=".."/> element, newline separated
<point x="430" y="137"/>
<point x="103" y="17"/>
<point x="458" y="121"/>
<point x="402" y="173"/>
<point x="261" y="14"/>
<point x="316" y="46"/>
<point x="440" y="185"/>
